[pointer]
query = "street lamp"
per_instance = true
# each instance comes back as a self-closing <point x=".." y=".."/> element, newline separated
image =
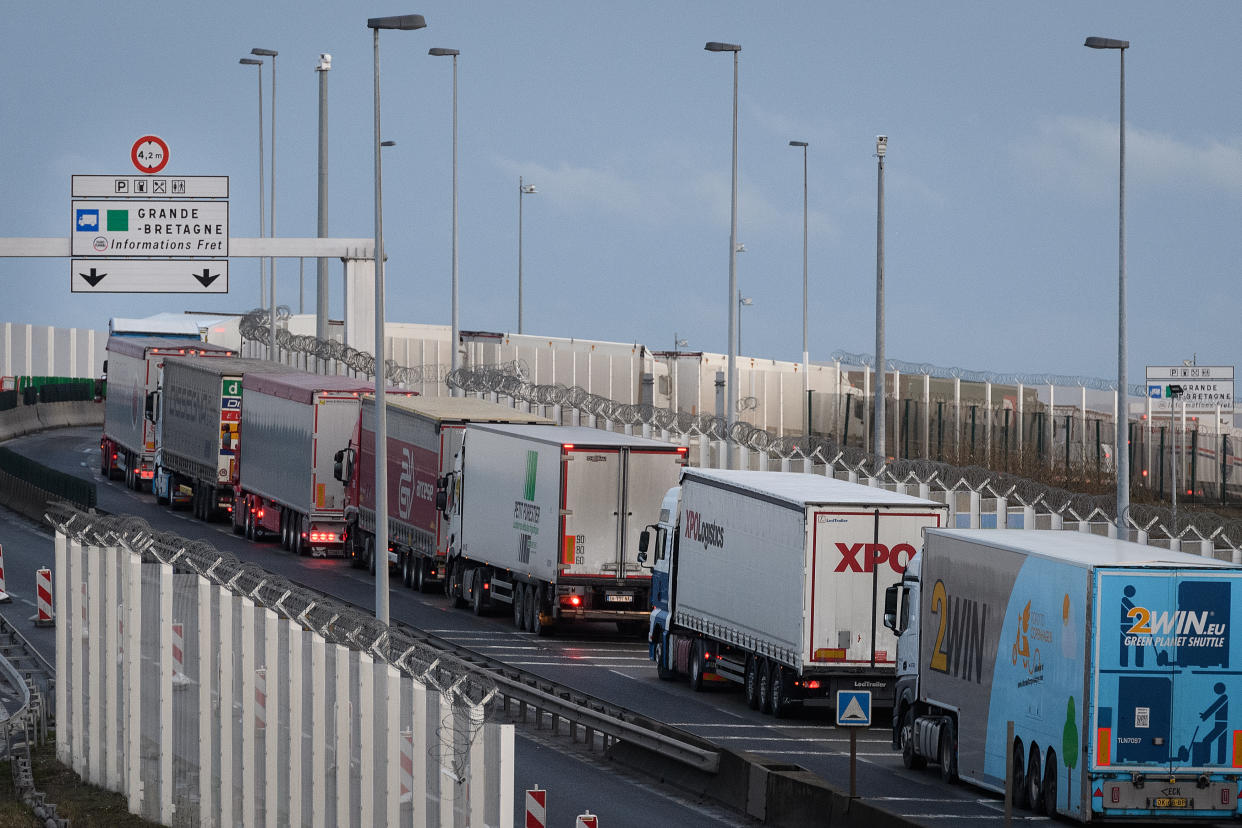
<point x="271" y="213"/>
<point x="1123" y="414"/>
<point x="881" y="147"/>
<point x="730" y="395"/>
<point x="259" y="63"/>
<point x="455" y="357"/>
<point x="404" y="22"/>
<point x="742" y="301"/>
<point x="806" y="377"/>
<point x="321" y="272"/>
<point x="523" y="190"/>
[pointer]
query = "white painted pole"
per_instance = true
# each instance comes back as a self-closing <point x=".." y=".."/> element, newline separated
<point x="63" y="748"/>
<point x="344" y="718"/>
<point x="69" y="613"/>
<point x="165" y="662"/>
<point x="133" y="678"/>
<point x="226" y="603"/>
<point x="273" y="752"/>
<point x="207" y="738"/>
<point x="373" y="787"/>
<point x="94" y="663"/>
<point x="392" y="752"/>
<point x="113" y="578"/>
<point x="298" y="639"/>
<point x="420" y="785"/>
<point x="444" y="752"/>
<point x="249" y="814"/>
<point x="319" y="731"/>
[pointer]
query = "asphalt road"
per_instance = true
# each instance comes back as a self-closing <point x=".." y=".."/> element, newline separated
<point x="592" y="658"/>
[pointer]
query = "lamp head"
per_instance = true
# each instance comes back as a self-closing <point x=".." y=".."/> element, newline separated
<point x="251" y="62"/>
<point x="388" y="143"/>
<point x="264" y="52"/>
<point x="528" y="189"/>
<point x="443" y="52"/>
<point x="325" y="63"/>
<point x="714" y="46"/>
<point x="1106" y="43"/>
<point x="881" y="145"/>
<point x="405" y="22"/>
<point x="798" y="144"/>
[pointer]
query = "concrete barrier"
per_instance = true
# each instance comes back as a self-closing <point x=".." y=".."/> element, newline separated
<point x="27" y="419"/>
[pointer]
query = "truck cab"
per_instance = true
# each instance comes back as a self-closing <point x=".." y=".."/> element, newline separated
<point x="901" y="615"/>
<point x="658" y="543"/>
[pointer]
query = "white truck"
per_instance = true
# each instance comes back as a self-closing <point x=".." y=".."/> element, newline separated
<point x="424" y="436"/>
<point x="546" y="519"/>
<point x="1113" y="661"/>
<point x="133" y="371"/>
<point x="197" y="412"/>
<point x="776" y="580"/>
<point x="292" y="425"/>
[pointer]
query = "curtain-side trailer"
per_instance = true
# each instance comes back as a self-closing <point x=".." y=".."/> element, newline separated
<point x="546" y="519"/>
<point x="133" y="370"/>
<point x="1114" y="662"/>
<point x="776" y="581"/>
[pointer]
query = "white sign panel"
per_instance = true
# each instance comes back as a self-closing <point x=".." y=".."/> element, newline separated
<point x="149" y="228"/>
<point x="149" y="276"/>
<point x="150" y="186"/>
<point x="1203" y="387"/>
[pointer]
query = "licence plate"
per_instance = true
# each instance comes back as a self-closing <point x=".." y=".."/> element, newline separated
<point x="618" y="597"/>
<point x="1172" y="802"/>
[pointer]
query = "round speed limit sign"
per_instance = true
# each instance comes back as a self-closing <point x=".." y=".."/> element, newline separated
<point x="149" y="154"/>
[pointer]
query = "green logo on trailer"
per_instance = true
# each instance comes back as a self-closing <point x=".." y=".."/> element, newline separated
<point x="532" y="466"/>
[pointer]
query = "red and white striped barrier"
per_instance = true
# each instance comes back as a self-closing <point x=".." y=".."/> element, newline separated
<point x="43" y="593"/>
<point x="587" y="820"/>
<point x="180" y="679"/>
<point x="4" y="592"/>
<point x="536" y="808"/>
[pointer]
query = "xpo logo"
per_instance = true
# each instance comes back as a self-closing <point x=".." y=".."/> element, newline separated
<point x="865" y="557"/>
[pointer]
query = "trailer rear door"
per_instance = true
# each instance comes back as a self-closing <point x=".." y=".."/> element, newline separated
<point x="591" y="505"/>
<point x="649" y="476"/>
<point x="1166" y="668"/>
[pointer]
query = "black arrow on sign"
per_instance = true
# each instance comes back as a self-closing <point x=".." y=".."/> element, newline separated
<point x="206" y="277"/>
<point x="93" y="278"/>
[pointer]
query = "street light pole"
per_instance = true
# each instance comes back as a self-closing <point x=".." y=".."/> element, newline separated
<point x="523" y="190"/>
<point x="321" y="272"/>
<point x="806" y="377"/>
<point x="271" y="212"/>
<point x="262" y="229"/>
<point x="881" y="147"/>
<point x="403" y="22"/>
<point x="731" y="391"/>
<point x="1123" y="414"/>
<point x="455" y="356"/>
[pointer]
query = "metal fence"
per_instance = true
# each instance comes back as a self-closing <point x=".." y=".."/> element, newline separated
<point x="211" y="692"/>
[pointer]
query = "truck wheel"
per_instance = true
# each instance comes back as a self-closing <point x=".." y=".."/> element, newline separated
<point x="750" y="688"/>
<point x="1050" y="784"/>
<point x="1017" y="775"/>
<point x="301" y="546"/>
<point x="478" y="600"/>
<point x="696" y="665"/>
<point x="368" y="555"/>
<point x="519" y="606"/>
<point x="537" y="626"/>
<point x="909" y="756"/>
<point x="238" y="528"/>
<point x="948" y="753"/>
<point x="457" y="580"/>
<point x="420" y="575"/>
<point x="765" y="686"/>
<point x="407" y="568"/>
<point x="250" y="533"/>
<point x="780" y="700"/>
<point x="665" y="672"/>
<point x="1034" y="782"/>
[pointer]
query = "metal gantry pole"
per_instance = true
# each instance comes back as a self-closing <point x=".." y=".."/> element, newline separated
<point x="271" y="220"/>
<point x="321" y="272"/>
<point x="262" y="225"/>
<point x="380" y="551"/>
<point x="881" y="147"/>
<point x="1123" y="408"/>
<point x="455" y="356"/>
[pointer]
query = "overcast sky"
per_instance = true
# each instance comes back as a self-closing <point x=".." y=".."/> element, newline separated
<point x="1000" y="179"/>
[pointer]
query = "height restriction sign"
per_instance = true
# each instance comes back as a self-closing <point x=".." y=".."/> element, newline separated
<point x="149" y="154"/>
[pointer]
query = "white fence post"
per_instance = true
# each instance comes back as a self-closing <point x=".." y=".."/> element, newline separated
<point x="271" y="743"/>
<point x="392" y="751"/>
<point x="420" y="797"/>
<point x="208" y="743"/>
<point x="112" y="653"/>
<point x="373" y="788"/>
<point x="95" y="651"/>
<point x="69" y="613"/>
<point x="444" y="753"/>
<point x="344" y="718"/>
<point x="297" y="642"/>
<point x="165" y="662"/>
<point x="249" y="813"/>
<point x="64" y="750"/>
<point x="133" y="680"/>
<point x="226" y="603"/>
<point x="319" y="731"/>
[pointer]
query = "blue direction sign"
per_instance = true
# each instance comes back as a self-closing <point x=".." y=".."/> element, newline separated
<point x="854" y="708"/>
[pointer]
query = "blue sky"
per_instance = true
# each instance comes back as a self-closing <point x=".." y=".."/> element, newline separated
<point x="1001" y="175"/>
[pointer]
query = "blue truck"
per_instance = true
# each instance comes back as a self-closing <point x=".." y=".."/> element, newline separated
<point x="1115" y="662"/>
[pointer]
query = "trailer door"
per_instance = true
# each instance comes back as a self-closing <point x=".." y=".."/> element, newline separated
<point x="591" y="505"/>
<point x="649" y="476"/>
<point x="1175" y="714"/>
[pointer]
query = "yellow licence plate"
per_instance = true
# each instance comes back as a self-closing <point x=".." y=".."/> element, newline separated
<point x="1172" y="802"/>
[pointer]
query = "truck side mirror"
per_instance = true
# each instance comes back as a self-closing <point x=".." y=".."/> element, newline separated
<point x="343" y="465"/>
<point x="892" y="601"/>
<point x="152" y="406"/>
<point x="644" y="542"/>
<point x="442" y="494"/>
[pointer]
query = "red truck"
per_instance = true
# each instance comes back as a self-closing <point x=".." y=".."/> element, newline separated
<point x="424" y="434"/>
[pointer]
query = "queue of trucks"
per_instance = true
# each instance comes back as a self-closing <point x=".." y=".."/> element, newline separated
<point x="1089" y="676"/>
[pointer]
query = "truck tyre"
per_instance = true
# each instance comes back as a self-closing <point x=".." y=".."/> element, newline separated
<point x="238" y="528"/>
<point x="368" y="554"/>
<point x="457" y="580"/>
<point x="765" y="686"/>
<point x="750" y="688"/>
<point x="301" y="546"/>
<point x="519" y="606"/>
<point x="781" y="705"/>
<point x="250" y="533"/>
<point x="909" y="755"/>
<point x="948" y="752"/>
<point x="1034" y="782"/>
<point x="420" y="575"/>
<point x="696" y="665"/>
<point x="1050" y="784"/>
<point x="407" y="568"/>
<point x="478" y="598"/>
<point x="665" y="672"/>
<point x="1017" y="775"/>
<point x="537" y="625"/>
<point x="209" y="505"/>
<point x="528" y="608"/>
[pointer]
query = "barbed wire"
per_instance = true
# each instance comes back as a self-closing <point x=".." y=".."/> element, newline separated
<point x="510" y="379"/>
<point x="993" y="377"/>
